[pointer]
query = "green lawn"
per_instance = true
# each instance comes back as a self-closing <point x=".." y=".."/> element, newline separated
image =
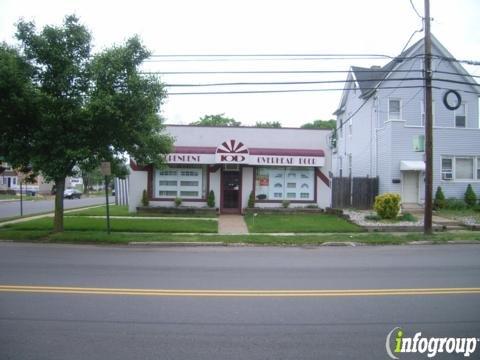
<point x="115" y="210"/>
<point x="80" y="223"/>
<point x="298" y="223"/>
<point x="119" y="210"/>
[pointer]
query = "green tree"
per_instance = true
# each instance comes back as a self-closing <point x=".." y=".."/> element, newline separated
<point x="320" y="124"/>
<point x="268" y="124"/>
<point x="66" y="109"/>
<point x="216" y="120"/>
<point x="93" y="176"/>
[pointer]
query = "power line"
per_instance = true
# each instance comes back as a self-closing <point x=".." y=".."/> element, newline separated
<point x="415" y="9"/>
<point x="315" y="82"/>
<point x="309" y="90"/>
<point x="273" y="72"/>
<point x="278" y="91"/>
<point x="274" y="55"/>
<point x="278" y="58"/>
<point x="277" y="83"/>
<point x="245" y="72"/>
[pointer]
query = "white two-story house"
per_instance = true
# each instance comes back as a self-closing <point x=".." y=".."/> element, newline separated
<point x="380" y="125"/>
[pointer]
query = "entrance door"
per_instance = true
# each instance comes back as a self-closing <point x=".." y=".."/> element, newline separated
<point x="231" y="183"/>
<point x="410" y="187"/>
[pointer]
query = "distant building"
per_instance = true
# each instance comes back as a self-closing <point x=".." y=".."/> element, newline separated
<point x="380" y="126"/>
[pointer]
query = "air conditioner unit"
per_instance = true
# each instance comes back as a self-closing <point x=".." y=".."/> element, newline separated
<point x="231" y="167"/>
<point x="447" y="176"/>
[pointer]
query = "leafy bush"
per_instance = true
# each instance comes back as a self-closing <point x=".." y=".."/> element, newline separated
<point x="251" y="200"/>
<point x="285" y="203"/>
<point x="178" y="201"/>
<point x="455" y="204"/>
<point x="407" y="217"/>
<point x="387" y="205"/>
<point x="439" y="201"/>
<point x="145" y="198"/>
<point x="477" y="208"/>
<point x="470" y="196"/>
<point x="211" y="199"/>
<point x="312" y="206"/>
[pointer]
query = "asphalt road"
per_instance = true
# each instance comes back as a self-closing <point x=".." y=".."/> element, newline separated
<point x="10" y="209"/>
<point x="100" y="323"/>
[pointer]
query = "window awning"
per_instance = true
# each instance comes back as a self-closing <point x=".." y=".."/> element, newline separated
<point x="412" y="165"/>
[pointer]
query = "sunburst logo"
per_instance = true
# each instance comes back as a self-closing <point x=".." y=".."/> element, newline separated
<point x="232" y="147"/>
<point x="232" y="151"/>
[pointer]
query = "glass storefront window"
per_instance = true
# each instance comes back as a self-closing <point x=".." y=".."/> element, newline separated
<point x="180" y="182"/>
<point x="285" y="183"/>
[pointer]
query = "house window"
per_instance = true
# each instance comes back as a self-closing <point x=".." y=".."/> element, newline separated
<point x="464" y="168"/>
<point x="419" y="143"/>
<point x="460" y="117"/>
<point x="181" y="182"/>
<point x="423" y="113"/>
<point x="447" y="168"/>
<point x="14" y="181"/>
<point x="270" y="183"/>
<point x="394" y="109"/>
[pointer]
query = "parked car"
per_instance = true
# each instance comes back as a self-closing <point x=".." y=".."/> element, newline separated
<point x="72" y="194"/>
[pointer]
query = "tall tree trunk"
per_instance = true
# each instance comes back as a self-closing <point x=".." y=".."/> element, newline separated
<point x="86" y="184"/>
<point x="58" y="220"/>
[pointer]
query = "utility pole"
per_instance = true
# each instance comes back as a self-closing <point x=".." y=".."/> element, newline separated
<point x="427" y="221"/>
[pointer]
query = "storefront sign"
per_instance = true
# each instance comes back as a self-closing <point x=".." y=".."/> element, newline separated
<point x="235" y="152"/>
<point x="259" y="160"/>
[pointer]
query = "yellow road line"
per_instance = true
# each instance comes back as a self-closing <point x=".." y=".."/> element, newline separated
<point x="234" y="293"/>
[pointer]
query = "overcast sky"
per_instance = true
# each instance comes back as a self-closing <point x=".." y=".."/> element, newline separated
<point x="258" y="27"/>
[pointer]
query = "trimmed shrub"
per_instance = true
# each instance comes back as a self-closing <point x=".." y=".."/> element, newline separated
<point x="387" y="205"/>
<point x="178" y="201"/>
<point x="455" y="204"/>
<point x="407" y="217"/>
<point x="470" y="196"/>
<point x="145" y="198"/>
<point x="285" y="203"/>
<point x="211" y="199"/>
<point x="251" y="200"/>
<point x="439" y="202"/>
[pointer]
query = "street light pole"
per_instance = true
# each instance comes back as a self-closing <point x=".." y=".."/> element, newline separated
<point x="427" y="221"/>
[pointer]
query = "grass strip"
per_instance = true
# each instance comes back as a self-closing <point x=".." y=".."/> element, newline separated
<point x="304" y="223"/>
<point x="101" y="237"/>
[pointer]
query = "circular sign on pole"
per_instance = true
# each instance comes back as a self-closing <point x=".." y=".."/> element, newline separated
<point x="105" y="168"/>
<point x="456" y="104"/>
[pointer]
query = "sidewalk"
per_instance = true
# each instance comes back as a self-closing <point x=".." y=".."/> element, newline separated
<point x="232" y="225"/>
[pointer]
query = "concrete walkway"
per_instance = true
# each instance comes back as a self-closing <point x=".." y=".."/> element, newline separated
<point x="232" y="225"/>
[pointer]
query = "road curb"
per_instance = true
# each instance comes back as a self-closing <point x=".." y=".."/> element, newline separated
<point x="176" y="243"/>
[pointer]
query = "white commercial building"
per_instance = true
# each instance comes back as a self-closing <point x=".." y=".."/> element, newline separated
<point x="276" y="165"/>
